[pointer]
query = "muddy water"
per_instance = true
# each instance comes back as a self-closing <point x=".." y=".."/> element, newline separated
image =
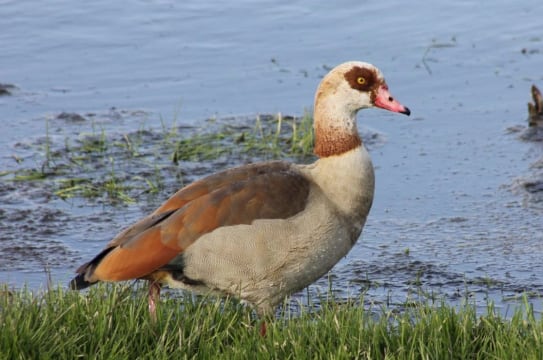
<point x="452" y="213"/>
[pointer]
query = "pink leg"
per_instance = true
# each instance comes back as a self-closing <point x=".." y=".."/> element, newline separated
<point x="154" y="296"/>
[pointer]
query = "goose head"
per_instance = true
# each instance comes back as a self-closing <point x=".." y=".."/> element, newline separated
<point x="345" y="90"/>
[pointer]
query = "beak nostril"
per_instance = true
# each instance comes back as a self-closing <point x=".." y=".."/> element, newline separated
<point x="390" y="98"/>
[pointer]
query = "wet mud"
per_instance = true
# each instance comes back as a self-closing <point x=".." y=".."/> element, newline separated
<point x="31" y="239"/>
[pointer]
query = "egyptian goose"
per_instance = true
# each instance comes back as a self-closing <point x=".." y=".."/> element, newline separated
<point x="262" y="231"/>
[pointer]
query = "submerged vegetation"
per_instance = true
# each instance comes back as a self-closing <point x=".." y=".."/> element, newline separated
<point x="119" y="167"/>
<point x="112" y="322"/>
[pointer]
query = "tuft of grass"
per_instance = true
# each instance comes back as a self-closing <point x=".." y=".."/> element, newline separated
<point x="201" y="147"/>
<point x="271" y="137"/>
<point x="303" y="136"/>
<point x="112" y="322"/>
<point x="281" y="137"/>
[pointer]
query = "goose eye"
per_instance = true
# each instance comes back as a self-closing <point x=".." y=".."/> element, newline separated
<point x="361" y="80"/>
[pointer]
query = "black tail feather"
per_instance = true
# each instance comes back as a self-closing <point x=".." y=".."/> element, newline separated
<point x="79" y="282"/>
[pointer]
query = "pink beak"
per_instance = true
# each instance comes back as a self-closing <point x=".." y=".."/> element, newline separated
<point x="385" y="101"/>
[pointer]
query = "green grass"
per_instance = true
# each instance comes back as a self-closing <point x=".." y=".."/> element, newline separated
<point x="112" y="322"/>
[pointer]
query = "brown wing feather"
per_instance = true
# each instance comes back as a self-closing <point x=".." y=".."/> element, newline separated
<point x="238" y="196"/>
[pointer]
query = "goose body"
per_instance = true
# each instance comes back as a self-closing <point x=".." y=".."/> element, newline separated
<point x="262" y="231"/>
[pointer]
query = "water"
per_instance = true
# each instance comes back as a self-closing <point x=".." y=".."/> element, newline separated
<point x="450" y="213"/>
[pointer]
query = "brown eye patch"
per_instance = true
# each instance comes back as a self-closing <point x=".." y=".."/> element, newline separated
<point x="361" y="78"/>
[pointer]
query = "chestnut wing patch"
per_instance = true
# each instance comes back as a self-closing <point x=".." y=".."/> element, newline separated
<point x="237" y="196"/>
